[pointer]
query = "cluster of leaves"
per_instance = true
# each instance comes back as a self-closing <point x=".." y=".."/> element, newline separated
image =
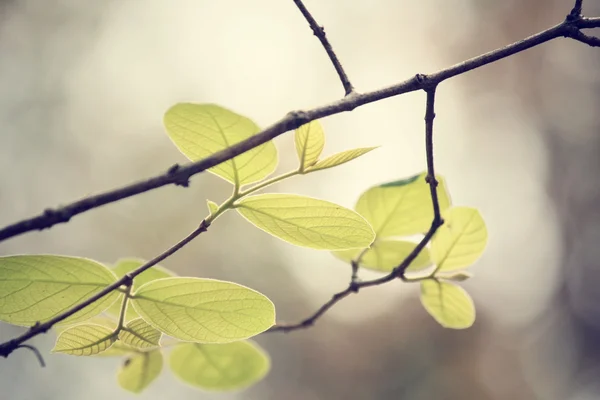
<point x="207" y="322"/>
<point x="404" y="208"/>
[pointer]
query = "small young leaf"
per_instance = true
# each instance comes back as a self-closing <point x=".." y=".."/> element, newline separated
<point x="199" y="130"/>
<point x="448" y="304"/>
<point x="139" y="370"/>
<point x="460" y="241"/>
<point x="204" y="310"/>
<point x="126" y="265"/>
<point x="219" y="366"/>
<point x="339" y="158"/>
<point x="305" y="221"/>
<point x="212" y="206"/>
<point x="139" y="334"/>
<point x="84" y="340"/>
<point x="456" y="276"/>
<point x="385" y="255"/>
<point x="36" y="288"/>
<point x="309" y="140"/>
<point x="401" y="208"/>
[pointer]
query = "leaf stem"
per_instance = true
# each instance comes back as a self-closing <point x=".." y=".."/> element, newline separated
<point x="355" y="263"/>
<point x="237" y="194"/>
<point x="126" y="297"/>
<point x="268" y="182"/>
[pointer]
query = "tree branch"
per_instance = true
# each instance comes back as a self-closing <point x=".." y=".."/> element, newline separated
<point x="179" y="175"/>
<point x="399" y="271"/>
<point x="127" y="280"/>
<point x="319" y="32"/>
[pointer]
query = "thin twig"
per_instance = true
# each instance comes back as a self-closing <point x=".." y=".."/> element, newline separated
<point x="576" y="11"/>
<point x="433" y="183"/>
<point x="127" y="280"/>
<point x="587" y="39"/>
<point x="319" y="32"/>
<point x="179" y="175"/>
<point x="35" y="351"/>
<point x="398" y="272"/>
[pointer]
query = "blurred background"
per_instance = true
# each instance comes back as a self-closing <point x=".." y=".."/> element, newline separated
<point x="84" y="85"/>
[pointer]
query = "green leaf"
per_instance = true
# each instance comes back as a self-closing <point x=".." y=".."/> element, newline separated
<point x="204" y="310"/>
<point x="401" y="208"/>
<point x="101" y="319"/>
<point x="305" y="221"/>
<point x="118" y="349"/>
<point x="212" y="206"/>
<point x="85" y="340"/>
<point x="339" y="158"/>
<point x="385" y="255"/>
<point x="199" y="130"/>
<point x="460" y="241"/>
<point x="139" y="334"/>
<point x="139" y="370"/>
<point x="309" y="139"/>
<point x="36" y="288"/>
<point x="448" y="304"/>
<point x="126" y="265"/>
<point x="219" y="366"/>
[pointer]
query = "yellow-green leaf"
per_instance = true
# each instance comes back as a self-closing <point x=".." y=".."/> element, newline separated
<point x="448" y="304"/>
<point x="219" y="366"/>
<point x="118" y="349"/>
<point x="460" y="241"/>
<point x="126" y="265"/>
<point x="100" y="319"/>
<point x="305" y="221"/>
<point x="339" y="158"/>
<point x="401" y="208"/>
<point x="385" y="255"/>
<point x="212" y="206"/>
<point x="309" y="139"/>
<point x="85" y="340"/>
<point x="199" y="130"/>
<point x="139" y="334"/>
<point x="204" y="310"/>
<point x="139" y="370"/>
<point x="36" y="288"/>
